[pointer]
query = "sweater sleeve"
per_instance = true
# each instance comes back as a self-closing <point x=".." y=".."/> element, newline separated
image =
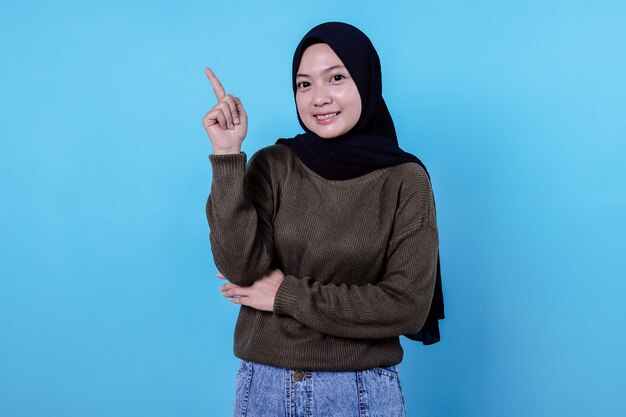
<point x="239" y="210"/>
<point x="398" y="304"/>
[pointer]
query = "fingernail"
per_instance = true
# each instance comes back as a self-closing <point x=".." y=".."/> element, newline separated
<point x="237" y="120"/>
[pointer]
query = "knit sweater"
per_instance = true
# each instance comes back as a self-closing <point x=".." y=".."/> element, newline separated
<point x="359" y="258"/>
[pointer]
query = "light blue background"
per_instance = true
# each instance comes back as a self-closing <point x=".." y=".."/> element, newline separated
<point x="109" y="303"/>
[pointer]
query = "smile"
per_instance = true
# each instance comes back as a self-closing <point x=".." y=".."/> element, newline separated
<point x="326" y="117"/>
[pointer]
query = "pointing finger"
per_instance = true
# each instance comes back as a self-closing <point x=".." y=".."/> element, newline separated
<point x="217" y="85"/>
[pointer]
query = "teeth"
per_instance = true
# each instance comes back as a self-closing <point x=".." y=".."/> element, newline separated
<point x="327" y="116"/>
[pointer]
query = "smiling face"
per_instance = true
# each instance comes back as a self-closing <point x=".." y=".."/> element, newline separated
<point x="327" y="98"/>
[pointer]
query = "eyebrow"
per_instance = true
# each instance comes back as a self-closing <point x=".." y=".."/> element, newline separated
<point x="325" y="71"/>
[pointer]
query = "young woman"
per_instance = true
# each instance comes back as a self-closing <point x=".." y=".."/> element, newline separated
<point x="328" y="240"/>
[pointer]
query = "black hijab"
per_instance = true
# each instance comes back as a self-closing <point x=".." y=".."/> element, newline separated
<point x="371" y="144"/>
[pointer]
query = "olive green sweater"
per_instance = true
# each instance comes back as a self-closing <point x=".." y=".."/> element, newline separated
<point x="359" y="255"/>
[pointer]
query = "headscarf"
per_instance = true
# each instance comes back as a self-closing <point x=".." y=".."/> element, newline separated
<point x="371" y="144"/>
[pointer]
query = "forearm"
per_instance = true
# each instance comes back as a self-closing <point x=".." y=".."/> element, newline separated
<point x="240" y="236"/>
<point x="397" y="305"/>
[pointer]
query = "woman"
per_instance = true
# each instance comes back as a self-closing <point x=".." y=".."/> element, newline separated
<point x="328" y="240"/>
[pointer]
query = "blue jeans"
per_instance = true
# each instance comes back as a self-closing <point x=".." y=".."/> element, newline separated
<point x="267" y="391"/>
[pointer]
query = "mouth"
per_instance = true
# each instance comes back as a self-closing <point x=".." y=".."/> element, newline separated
<point x="325" y="117"/>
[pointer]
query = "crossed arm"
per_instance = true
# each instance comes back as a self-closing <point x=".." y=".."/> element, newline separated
<point x="398" y="304"/>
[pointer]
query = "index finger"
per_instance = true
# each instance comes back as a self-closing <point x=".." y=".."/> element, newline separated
<point x="217" y="85"/>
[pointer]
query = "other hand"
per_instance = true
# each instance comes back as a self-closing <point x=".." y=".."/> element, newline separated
<point x="259" y="295"/>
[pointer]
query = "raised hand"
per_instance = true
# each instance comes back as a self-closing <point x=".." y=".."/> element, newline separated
<point x="227" y="122"/>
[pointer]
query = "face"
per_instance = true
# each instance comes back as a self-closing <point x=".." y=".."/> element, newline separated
<point x="328" y="101"/>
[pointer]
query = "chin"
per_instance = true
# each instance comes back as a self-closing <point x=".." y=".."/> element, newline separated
<point x="324" y="133"/>
<point x="326" y="136"/>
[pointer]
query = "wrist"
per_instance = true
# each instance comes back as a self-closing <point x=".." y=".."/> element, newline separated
<point x="226" y="151"/>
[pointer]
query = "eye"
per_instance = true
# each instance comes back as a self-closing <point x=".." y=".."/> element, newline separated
<point x="301" y="84"/>
<point x="338" y="79"/>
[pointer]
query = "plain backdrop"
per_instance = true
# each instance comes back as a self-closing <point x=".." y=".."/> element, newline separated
<point x="109" y="301"/>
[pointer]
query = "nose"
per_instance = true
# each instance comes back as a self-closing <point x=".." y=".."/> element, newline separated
<point x="321" y="96"/>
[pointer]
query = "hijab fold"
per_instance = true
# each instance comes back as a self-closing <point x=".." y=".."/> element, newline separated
<point x="371" y="144"/>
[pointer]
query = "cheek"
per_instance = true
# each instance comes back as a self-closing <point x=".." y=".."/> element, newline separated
<point x="353" y="102"/>
<point x="302" y="107"/>
<point x="300" y="104"/>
